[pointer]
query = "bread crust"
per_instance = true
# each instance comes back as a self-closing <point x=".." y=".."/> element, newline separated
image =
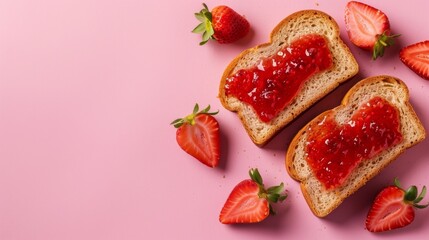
<point x="360" y="175"/>
<point x="292" y="27"/>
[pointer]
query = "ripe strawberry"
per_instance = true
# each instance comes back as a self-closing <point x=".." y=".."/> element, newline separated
<point x="416" y="57"/>
<point x="368" y="28"/>
<point x="198" y="135"/>
<point x="222" y="24"/>
<point x="250" y="202"/>
<point x="393" y="208"/>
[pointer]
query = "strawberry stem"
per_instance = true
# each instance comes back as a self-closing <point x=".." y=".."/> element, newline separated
<point x="190" y="119"/>
<point x="205" y="27"/>
<point x="411" y="195"/>
<point x="273" y="194"/>
<point x="383" y="41"/>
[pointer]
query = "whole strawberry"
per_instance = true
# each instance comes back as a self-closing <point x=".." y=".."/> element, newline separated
<point x="198" y="135"/>
<point x="394" y="208"/>
<point x="250" y="202"/>
<point x="222" y="24"/>
<point x="368" y="28"/>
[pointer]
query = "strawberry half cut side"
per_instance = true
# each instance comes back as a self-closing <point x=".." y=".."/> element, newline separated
<point x="394" y="208"/>
<point x="368" y="28"/>
<point x="198" y="135"/>
<point x="416" y="57"/>
<point x="250" y="202"/>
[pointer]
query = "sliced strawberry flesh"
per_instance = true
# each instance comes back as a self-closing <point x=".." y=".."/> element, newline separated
<point x="201" y="139"/>
<point x="416" y="57"/>
<point x="364" y="23"/>
<point x="389" y="211"/>
<point x="244" y="205"/>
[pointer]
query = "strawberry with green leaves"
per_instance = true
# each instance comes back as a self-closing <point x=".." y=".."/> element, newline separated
<point x="416" y="57"/>
<point x="368" y="28"/>
<point x="198" y="135"/>
<point x="222" y="24"/>
<point x="394" y="208"/>
<point x="250" y="202"/>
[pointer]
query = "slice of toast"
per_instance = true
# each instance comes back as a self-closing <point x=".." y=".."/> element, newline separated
<point x="317" y="86"/>
<point x="322" y="201"/>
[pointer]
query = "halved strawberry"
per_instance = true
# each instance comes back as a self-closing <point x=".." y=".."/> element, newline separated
<point x="222" y="24"/>
<point x="368" y="28"/>
<point x="250" y="202"/>
<point x="416" y="57"/>
<point x="198" y="135"/>
<point x="394" y="208"/>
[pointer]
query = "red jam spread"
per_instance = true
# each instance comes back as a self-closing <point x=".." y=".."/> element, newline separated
<point x="273" y="83"/>
<point x="333" y="150"/>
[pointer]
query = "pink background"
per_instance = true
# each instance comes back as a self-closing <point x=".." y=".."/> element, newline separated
<point x="88" y="89"/>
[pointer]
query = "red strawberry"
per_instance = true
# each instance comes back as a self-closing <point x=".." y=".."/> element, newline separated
<point x="368" y="28"/>
<point x="198" y="135"/>
<point x="393" y="208"/>
<point x="250" y="202"/>
<point x="222" y="24"/>
<point x="416" y="57"/>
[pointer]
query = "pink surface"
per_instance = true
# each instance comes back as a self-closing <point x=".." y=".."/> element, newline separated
<point x="88" y="89"/>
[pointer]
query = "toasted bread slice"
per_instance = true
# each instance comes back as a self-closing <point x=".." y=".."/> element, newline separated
<point x="317" y="86"/>
<point x="322" y="201"/>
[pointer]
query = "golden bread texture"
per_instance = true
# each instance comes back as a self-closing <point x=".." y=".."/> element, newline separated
<point x="317" y="86"/>
<point x="322" y="201"/>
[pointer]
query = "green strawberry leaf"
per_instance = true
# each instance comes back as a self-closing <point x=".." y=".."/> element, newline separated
<point x="421" y="195"/>
<point x="206" y="37"/>
<point x="275" y="189"/>
<point x="256" y="176"/>
<point x="411" y="194"/>
<point x="196" y="108"/>
<point x="200" y="28"/>
<point x="199" y="16"/>
<point x="208" y="15"/>
<point x="397" y="183"/>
